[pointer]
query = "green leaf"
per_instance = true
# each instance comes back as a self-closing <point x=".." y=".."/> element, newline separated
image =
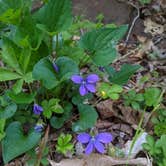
<point x="9" y="55"/>
<point x="28" y="77"/>
<point x="57" y="122"/>
<point x="2" y="126"/>
<point x="51" y="106"/>
<point x="88" y="118"/>
<point x="67" y="67"/>
<point x="139" y="97"/>
<point x="22" y="98"/>
<point x="152" y="96"/>
<point x="113" y="96"/>
<point x="25" y="59"/>
<point x="54" y="16"/>
<point x="106" y="90"/>
<point x="45" y="72"/>
<point x="16" y="143"/>
<point x="121" y="77"/>
<point x="6" y="75"/>
<point x="10" y="11"/>
<point x="18" y="86"/>
<point x="135" y="105"/>
<point x="64" y="144"/>
<point x="78" y="99"/>
<point x="8" y="111"/>
<point x="101" y="43"/>
<point x="26" y="34"/>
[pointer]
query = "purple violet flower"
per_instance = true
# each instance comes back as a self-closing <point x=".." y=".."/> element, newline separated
<point x="101" y="68"/>
<point x="87" y="84"/>
<point x="38" y="127"/>
<point x="56" y="68"/>
<point x="37" y="109"/>
<point x="94" y="142"/>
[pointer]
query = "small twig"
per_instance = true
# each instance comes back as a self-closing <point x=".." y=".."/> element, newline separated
<point x="133" y="22"/>
<point x="42" y="146"/>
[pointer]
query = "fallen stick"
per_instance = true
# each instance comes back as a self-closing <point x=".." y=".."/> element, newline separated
<point x="101" y="160"/>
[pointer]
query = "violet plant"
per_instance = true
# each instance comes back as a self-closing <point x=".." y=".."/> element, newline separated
<point x="27" y="49"/>
<point x="94" y="142"/>
<point x="87" y="84"/>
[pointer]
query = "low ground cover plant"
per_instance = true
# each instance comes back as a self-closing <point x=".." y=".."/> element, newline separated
<point x="51" y="74"/>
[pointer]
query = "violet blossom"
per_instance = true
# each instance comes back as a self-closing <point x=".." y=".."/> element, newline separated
<point x="87" y="84"/>
<point x="38" y="127"/>
<point x="37" y="109"/>
<point x="94" y="142"/>
<point x="56" y="68"/>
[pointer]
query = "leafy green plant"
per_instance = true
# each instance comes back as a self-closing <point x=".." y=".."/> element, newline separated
<point x="41" y="51"/>
<point x="156" y="149"/>
<point x="64" y="144"/>
<point x="134" y="99"/>
<point x="151" y="96"/>
<point x="109" y="91"/>
<point x="159" y="122"/>
<point x="51" y="106"/>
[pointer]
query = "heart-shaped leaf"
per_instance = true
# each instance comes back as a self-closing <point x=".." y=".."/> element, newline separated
<point x="44" y="72"/>
<point x="8" y="111"/>
<point x="121" y="77"/>
<point x="88" y="118"/>
<point x="16" y="143"/>
<point x="101" y="44"/>
<point x="67" y="67"/>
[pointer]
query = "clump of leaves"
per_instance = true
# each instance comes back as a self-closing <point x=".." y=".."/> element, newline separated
<point x="64" y="144"/>
<point x="133" y="99"/>
<point x="156" y="149"/>
<point x="160" y="122"/>
<point x="152" y="96"/>
<point x="109" y="91"/>
<point x="51" y="106"/>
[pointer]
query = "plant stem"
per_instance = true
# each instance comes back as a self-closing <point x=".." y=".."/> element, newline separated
<point x="141" y="122"/>
<point x="51" y="46"/>
<point x="42" y="146"/>
<point x="57" y="43"/>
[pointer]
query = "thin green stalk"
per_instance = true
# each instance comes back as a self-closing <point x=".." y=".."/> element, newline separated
<point x="30" y="88"/>
<point x="51" y="46"/>
<point x="141" y="122"/>
<point x="57" y="43"/>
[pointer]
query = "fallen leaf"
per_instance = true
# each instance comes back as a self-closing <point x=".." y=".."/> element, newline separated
<point x="153" y="27"/>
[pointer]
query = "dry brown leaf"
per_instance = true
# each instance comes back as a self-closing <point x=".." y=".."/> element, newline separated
<point x="105" y="109"/>
<point x="101" y="160"/>
<point x="153" y="27"/>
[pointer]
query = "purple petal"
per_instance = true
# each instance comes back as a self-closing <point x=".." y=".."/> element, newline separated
<point x="91" y="87"/>
<point x="77" y="79"/>
<point x="83" y="138"/>
<point x="104" y="137"/>
<point x="83" y="90"/>
<point x="99" y="146"/>
<point x="38" y="128"/>
<point x="92" y="78"/>
<point x="37" y="109"/>
<point x="56" y="68"/>
<point x="89" y="148"/>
